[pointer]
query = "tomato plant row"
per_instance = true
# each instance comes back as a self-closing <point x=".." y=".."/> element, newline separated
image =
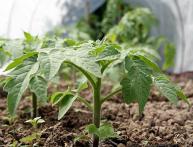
<point x="41" y="62"/>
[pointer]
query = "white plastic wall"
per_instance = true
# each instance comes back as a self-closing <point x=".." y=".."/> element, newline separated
<point x="34" y="16"/>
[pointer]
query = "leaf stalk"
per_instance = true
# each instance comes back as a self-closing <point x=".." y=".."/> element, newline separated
<point x="111" y="94"/>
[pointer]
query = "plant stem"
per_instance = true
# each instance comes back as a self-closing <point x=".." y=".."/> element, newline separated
<point x="97" y="110"/>
<point x="111" y="94"/>
<point x="34" y="105"/>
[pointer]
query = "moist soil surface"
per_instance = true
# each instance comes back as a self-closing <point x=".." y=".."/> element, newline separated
<point x="161" y="125"/>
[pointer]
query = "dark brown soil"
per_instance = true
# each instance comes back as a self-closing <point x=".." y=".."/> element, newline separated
<point x="163" y="124"/>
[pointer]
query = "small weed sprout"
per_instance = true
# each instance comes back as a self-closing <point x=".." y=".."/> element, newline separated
<point x="36" y="134"/>
<point x="34" y="122"/>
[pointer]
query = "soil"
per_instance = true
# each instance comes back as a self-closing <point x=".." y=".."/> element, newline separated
<point x="162" y="125"/>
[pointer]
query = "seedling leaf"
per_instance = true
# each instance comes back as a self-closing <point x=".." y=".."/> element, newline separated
<point x="166" y="88"/>
<point x="136" y="86"/>
<point x="34" y="122"/>
<point x="106" y="131"/>
<point x="19" y="60"/>
<point x="169" y="56"/>
<point x="51" y="61"/>
<point x="19" y="83"/>
<point x="29" y="139"/>
<point x="65" y="104"/>
<point x="64" y="101"/>
<point x="103" y="132"/>
<point x="38" y="85"/>
<point x="91" y="129"/>
<point x="83" y="84"/>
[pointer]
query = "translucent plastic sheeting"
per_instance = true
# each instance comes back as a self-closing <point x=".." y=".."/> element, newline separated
<point x="40" y="16"/>
<point x="34" y="16"/>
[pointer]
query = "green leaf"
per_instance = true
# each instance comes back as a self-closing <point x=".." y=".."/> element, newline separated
<point x="181" y="95"/>
<point x="58" y="96"/>
<point x="83" y="84"/>
<point x="150" y="62"/>
<point x="69" y="42"/>
<point x="28" y="37"/>
<point x="4" y="54"/>
<point x="106" y="131"/>
<point x="103" y="132"/>
<point x="64" y="101"/>
<point x="169" y="56"/>
<point x="121" y="59"/>
<point x="65" y="104"/>
<point x="31" y="43"/>
<point x="51" y="60"/>
<point x="48" y="42"/>
<point x="30" y="138"/>
<point x="136" y="85"/>
<point x="144" y="51"/>
<point x="82" y="59"/>
<point x="19" y="83"/>
<point x="91" y="129"/>
<point x="38" y="85"/>
<point x="166" y="88"/>
<point x="19" y="60"/>
<point x="109" y="53"/>
<point x="34" y="122"/>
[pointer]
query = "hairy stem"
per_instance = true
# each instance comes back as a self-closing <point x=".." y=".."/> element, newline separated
<point x="34" y="105"/>
<point x="111" y="94"/>
<point x="97" y="110"/>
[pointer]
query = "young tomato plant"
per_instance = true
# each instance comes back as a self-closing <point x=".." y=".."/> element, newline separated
<point x="23" y="74"/>
<point x="140" y="72"/>
<point x="34" y="122"/>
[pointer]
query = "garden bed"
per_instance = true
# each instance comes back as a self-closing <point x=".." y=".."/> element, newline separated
<point x="162" y="124"/>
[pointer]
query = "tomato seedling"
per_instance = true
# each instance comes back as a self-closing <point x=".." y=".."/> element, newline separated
<point x="23" y="74"/>
<point x="93" y="59"/>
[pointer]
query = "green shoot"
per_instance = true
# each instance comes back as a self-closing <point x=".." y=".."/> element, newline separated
<point x="35" y="122"/>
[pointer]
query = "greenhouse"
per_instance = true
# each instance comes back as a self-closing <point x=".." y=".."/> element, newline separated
<point x="96" y="73"/>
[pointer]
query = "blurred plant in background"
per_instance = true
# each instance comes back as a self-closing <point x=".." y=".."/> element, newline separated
<point x="121" y="23"/>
